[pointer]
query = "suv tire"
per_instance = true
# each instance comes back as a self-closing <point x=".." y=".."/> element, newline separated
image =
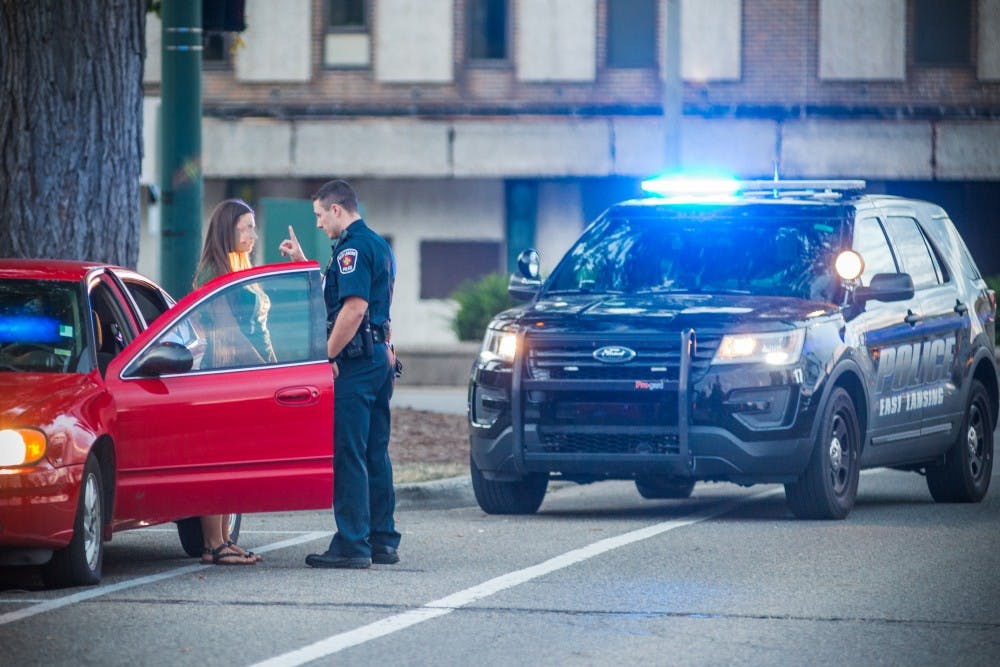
<point x="828" y="486"/>
<point x="965" y="475"/>
<point x="520" y="497"/>
<point x="654" y="488"/>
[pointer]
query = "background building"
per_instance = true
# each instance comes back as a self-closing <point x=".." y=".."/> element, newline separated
<point x="474" y="128"/>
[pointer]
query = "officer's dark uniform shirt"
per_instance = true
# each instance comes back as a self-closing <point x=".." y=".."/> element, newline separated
<point x="362" y="265"/>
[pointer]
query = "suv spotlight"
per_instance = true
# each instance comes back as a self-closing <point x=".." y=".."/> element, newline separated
<point x="787" y="332"/>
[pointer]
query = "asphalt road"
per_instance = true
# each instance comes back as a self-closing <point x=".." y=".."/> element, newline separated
<point x="599" y="576"/>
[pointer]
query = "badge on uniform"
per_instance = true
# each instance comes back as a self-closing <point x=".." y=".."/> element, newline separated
<point x="347" y="260"/>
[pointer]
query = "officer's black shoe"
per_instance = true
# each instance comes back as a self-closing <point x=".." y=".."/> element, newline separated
<point x="384" y="555"/>
<point x="329" y="559"/>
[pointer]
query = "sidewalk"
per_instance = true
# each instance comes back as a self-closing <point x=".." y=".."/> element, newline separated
<point x="438" y="493"/>
<point x="450" y="400"/>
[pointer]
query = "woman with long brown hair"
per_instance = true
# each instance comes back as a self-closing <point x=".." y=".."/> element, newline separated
<point x="236" y="335"/>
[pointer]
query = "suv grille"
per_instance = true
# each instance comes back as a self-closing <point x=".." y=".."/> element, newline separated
<point x="657" y="357"/>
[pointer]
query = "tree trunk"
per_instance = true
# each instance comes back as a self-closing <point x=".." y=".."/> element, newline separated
<point x="71" y="128"/>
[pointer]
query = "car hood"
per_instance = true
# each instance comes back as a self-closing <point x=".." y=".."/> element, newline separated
<point x="37" y="399"/>
<point x="675" y="311"/>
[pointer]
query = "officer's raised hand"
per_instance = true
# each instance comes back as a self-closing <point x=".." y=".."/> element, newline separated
<point x="291" y="248"/>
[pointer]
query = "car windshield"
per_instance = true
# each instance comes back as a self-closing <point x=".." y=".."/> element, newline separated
<point x="40" y="326"/>
<point x="713" y="251"/>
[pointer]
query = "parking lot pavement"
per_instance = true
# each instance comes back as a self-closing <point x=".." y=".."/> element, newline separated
<point x="450" y="400"/>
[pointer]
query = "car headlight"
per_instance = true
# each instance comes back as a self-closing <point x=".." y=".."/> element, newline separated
<point x="777" y="348"/>
<point x="21" y="446"/>
<point x="499" y="343"/>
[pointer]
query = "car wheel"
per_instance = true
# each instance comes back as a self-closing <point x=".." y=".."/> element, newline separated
<point x="521" y="497"/>
<point x="965" y="475"/>
<point x="79" y="564"/>
<point x="655" y="487"/>
<point x="193" y="540"/>
<point x="828" y="486"/>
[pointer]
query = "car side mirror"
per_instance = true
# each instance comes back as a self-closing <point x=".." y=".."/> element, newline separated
<point x="165" y="358"/>
<point x="885" y="287"/>
<point x="524" y="284"/>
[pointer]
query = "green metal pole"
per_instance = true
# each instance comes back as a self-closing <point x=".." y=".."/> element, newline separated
<point x="180" y="144"/>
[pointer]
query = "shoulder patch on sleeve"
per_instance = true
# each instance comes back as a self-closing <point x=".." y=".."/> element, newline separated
<point x="347" y="260"/>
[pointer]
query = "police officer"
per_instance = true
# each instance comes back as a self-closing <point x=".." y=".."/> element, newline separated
<point x="358" y="291"/>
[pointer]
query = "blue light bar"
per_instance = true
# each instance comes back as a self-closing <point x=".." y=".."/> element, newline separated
<point x="673" y="186"/>
<point x="29" y="329"/>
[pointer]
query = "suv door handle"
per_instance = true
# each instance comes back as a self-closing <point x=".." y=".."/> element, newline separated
<point x="960" y="307"/>
<point x="912" y="318"/>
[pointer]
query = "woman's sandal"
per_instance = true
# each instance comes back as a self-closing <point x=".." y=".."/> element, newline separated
<point x="249" y="554"/>
<point x="223" y="555"/>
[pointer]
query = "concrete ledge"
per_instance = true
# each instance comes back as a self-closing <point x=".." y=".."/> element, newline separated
<point x="441" y="365"/>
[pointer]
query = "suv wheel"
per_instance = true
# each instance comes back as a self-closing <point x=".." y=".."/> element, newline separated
<point x="828" y="486"/>
<point x="521" y="497"/>
<point x="965" y="475"/>
<point x="653" y="487"/>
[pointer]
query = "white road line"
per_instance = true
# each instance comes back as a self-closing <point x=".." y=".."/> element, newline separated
<point x="448" y="604"/>
<point x="90" y="593"/>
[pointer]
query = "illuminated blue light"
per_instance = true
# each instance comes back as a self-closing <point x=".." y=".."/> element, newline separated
<point x="28" y="329"/>
<point x="673" y="186"/>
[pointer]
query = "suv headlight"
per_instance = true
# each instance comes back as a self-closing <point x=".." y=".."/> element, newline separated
<point x="499" y="343"/>
<point x="775" y="348"/>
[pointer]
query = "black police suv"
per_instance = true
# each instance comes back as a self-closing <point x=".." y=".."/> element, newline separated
<point x="787" y="332"/>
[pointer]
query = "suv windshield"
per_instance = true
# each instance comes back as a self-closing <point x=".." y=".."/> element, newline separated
<point x="40" y="326"/>
<point x="707" y="252"/>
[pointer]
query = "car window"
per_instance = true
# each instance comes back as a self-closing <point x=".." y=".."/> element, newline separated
<point x="704" y="251"/>
<point x="251" y="324"/>
<point x="149" y="300"/>
<point x="871" y="243"/>
<point x="913" y="251"/>
<point x="111" y="329"/>
<point x="42" y="327"/>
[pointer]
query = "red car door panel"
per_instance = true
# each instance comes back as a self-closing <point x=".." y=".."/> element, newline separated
<point x="242" y="430"/>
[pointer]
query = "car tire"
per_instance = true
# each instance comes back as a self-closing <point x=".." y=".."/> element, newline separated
<point x="828" y="486"/>
<point x="79" y="564"/>
<point x="520" y="497"/>
<point x="968" y="466"/>
<point x="657" y="487"/>
<point x="193" y="540"/>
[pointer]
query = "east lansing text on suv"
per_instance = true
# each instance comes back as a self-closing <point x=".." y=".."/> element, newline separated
<point x="789" y="332"/>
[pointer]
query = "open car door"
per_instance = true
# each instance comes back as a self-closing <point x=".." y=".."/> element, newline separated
<point x="210" y="418"/>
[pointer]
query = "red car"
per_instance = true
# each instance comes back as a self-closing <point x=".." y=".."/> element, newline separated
<point x="120" y="409"/>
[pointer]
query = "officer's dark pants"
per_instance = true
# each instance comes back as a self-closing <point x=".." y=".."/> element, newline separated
<point x="363" y="496"/>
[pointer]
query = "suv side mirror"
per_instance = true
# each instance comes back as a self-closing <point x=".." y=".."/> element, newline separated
<point x="524" y="286"/>
<point x="164" y="359"/>
<point x="885" y="287"/>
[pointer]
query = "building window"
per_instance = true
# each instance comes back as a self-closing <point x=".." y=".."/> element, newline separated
<point x="943" y="32"/>
<point x="217" y="49"/>
<point x="345" y="15"/>
<point x="632" y="33"/>
<point x="487" y="34"/>
<point x="445" y="265"/>
<point x="347" y="43"/>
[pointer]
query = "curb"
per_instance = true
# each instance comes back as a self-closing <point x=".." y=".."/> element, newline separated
<point x="438" y="494"/>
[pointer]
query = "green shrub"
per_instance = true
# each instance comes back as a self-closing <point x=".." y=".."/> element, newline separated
<point x="478" y="301"/>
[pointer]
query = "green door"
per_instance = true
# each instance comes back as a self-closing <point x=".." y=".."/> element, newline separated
<point x="276" y="214"/>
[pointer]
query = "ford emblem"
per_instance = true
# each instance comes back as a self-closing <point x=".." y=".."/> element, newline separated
<point x="614" y="354"/>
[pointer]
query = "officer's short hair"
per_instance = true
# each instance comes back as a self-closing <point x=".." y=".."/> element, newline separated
<point x="337" y="192"/>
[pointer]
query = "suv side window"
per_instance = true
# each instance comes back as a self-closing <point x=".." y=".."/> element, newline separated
<point x="912" y="248"/>
<point x="870" y="242"/>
